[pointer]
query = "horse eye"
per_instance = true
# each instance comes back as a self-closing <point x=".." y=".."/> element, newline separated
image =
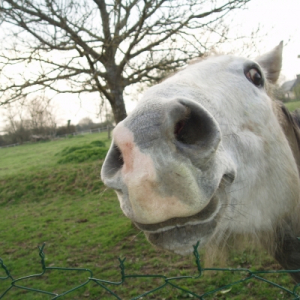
<point x="255" y="77"/>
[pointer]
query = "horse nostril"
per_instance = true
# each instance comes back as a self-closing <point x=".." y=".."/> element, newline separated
<point x="195" y="128"/>
<point x="178" y="128"/>
<point x="113" y="162"/>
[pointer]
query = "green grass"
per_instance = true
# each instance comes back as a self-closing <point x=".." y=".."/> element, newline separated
<point x="293" y="105"/>
<point x="68" y="207"/>
<point x="87" y="152"/>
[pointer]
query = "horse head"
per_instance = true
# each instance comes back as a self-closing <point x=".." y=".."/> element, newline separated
<point x="208" y="154"/>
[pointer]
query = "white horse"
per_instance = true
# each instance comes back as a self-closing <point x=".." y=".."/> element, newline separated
<point x="208" y="154"/>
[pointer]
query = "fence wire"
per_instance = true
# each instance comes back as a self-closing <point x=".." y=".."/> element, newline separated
<point x="168" y="281"/>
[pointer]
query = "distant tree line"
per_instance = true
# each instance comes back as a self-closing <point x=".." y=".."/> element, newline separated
<point x="36" y="120"/>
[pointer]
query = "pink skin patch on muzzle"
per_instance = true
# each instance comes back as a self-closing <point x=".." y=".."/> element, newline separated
<point x="140" y="176"/>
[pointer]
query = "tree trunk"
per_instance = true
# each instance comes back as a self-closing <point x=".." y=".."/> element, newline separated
<point x="118" y="106"/>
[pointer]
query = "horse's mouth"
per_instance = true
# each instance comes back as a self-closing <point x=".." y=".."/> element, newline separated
<point x="206" y="215"/>
<point x="180" y="234"/>
<point x="182" y="239"/>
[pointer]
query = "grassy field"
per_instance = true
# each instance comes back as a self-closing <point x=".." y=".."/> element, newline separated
<point x="66" y="206"/>
<point x="293" y="105"/>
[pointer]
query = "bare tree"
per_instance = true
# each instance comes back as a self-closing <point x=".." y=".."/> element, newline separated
<point x="17" y="125"/>
<point x="32" y="117"/>
<point x="42" y="117"/>
<point x="85" y="123"/>
<point x="80" y="46"/>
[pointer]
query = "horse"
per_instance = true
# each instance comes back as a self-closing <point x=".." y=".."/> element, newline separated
<point x="209" y="155"/>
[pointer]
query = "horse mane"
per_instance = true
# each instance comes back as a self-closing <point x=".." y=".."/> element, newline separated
<point x="296" y="117"/>
<point x="287" y="249"/>
<point x="290" y="123"/>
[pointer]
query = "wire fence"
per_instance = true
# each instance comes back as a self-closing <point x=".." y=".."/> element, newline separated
<point x="167" y="281"/>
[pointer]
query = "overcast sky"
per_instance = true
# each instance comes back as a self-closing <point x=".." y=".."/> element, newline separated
<point x="278" y="19"/>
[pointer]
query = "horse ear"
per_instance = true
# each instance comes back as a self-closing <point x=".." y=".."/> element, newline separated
<point x="271" y="62"/>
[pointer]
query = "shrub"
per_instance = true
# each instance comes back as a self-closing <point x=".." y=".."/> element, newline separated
<point x="87" y="152"/>
<point x="98" y="143"/>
